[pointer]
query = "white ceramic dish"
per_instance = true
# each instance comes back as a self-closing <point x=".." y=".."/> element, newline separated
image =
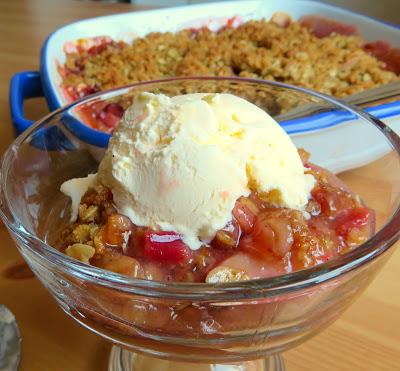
<point x="135" y="24"/>
<point x="130" y="25"/>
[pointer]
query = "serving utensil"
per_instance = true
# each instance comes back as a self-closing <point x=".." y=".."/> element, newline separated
<point x="351" y="143"/>
<point x="368" y="100"/>
<point x="10" y="341"/>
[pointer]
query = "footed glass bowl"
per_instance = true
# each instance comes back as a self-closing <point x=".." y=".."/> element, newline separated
<point x="232" y="326"/>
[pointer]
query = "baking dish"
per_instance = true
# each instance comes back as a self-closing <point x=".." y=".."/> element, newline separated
<point x="135" y="24"/>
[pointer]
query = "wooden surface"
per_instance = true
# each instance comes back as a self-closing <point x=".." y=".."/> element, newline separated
<point x="367" y="337"/>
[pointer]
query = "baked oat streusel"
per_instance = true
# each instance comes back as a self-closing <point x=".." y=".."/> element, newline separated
<point x="280" y="49"/>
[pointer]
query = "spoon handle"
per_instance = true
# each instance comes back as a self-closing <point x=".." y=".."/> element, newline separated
<point x="10" y="341"/>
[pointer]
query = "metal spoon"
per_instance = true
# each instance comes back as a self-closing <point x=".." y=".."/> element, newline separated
<point x="364" y="99"/>
<point x="10" y="341"/>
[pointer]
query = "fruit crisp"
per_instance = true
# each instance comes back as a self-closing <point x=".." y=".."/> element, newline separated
<point x="314" y="53"/>
<point x="261" y="240"/>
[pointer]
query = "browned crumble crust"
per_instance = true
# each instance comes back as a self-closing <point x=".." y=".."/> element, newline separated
<point x="336" y="65"/>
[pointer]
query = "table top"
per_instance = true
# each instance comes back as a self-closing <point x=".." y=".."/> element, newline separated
<point x="366" y="337"/>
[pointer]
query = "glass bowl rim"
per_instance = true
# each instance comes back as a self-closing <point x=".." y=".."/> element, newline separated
<point x="380" y="242"/>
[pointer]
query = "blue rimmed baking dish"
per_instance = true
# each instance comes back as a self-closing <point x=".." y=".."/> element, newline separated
<point x="126" y="26"/>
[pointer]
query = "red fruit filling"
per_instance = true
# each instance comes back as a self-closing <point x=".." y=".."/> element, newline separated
<point x="165" y="247"/>
<point x="261" y="240"/>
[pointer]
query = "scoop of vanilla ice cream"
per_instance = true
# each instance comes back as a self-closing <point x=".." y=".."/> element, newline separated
<point x="179" y="164"/>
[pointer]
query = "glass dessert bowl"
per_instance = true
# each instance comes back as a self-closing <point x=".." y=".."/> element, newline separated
<point x="246" y="323"/>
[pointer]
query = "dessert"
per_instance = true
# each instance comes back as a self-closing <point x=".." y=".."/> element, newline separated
<point x="313" y="52"/>
<point x="208" y="188"/>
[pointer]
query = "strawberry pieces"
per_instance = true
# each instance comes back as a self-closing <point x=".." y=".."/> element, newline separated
<point x="83" y="92"/>
<point x="272" y="232"/>
<point x="348" y="219"/>
<point x="332" y="199"/>
<point x="97" y="49"/>
<point x="165" y="247"/>
<point x="244" y="217"/>
<point x="111" y="114"/>
<point x="324" y="27"/>
<point x="382" y="51"/>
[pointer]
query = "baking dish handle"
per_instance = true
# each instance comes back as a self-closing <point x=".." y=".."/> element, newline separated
<point x="23" y="85"/>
